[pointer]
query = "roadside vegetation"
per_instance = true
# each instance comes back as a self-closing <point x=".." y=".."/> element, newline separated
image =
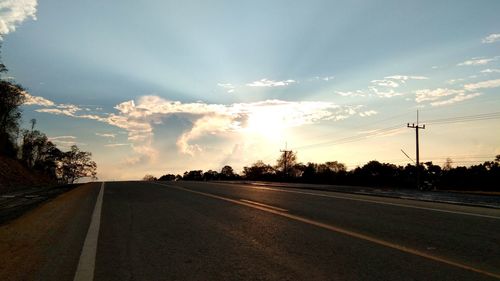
<point x="481" y="177"/>
<point x="32" y="147"/>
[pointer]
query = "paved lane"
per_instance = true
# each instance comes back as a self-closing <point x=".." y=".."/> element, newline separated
<point x="163" y="232"/>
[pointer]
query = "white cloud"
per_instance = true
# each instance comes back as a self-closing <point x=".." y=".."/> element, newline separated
<point x="483" y="85"/>
<point x="65" y="141"/>
<point x="357" y="93"/>
<point x="62" y="137"/>
<point x="457" y="98"/>
<point x="385" y="83"/>
<point x="432" y="95"/>
<point x="116" y="144"/>
<point x="106" y="135"/>
<point x="139" y="117"/>
<point x="495" y="37"/>
<point x="368" y="113"/>
<point x="270" y="83"/>
<point x="477" y="61"/>
<point x="228" y="86"/>
<point x="321" y="78"/>
<point x="14" y="12"/>
<point x="455" y="95"/>
<point x="489" y="70"/>
<point x="387" y="93"/>
<point x="453" y="81"/>
<point x="62" y="109"/>
<point x="403" y="78"/>
<point x="34" y="100"/>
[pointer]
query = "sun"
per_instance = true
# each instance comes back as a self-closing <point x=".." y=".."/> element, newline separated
<point x="267" y="125"/>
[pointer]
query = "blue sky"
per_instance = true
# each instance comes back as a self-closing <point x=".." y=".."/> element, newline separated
<point x="168" y="86"/>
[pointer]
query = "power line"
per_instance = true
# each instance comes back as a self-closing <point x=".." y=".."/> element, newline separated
<point x="396" y="128"/>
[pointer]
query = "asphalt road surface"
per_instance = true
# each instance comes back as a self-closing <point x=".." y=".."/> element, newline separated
<point x="218" y="231"/>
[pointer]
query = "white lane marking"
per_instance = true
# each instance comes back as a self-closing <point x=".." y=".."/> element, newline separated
<point x="264" y="205"/>
<point x="86" y="265"/>
<point x="375" y="202"/>
<point x="345" y="232"/>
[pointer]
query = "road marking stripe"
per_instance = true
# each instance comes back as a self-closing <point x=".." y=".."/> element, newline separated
<point x="264" y="205"/>
<point x="375" y="202"/>
<point x="345" y="232"/>
<point x="86" y="264"/>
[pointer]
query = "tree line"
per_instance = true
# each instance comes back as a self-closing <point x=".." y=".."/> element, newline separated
<point x="484" y="176"/>
<point x="32" y="147"/>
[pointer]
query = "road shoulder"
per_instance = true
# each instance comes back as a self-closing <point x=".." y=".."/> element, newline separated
<point x="45" y="243"/>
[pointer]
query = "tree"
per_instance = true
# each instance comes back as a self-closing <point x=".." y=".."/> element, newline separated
<point x="210" y="175"/>
<point x="286" y="162"/>
<point x="149" y="178"/>
<point x="195" y="175"/>
<point x="11" y="98"/>
<point x="227" y="173"/>
<point x="259" y="171"/>
<point x="75" y="164"/>
<point x="167" y="177"/>
<point x="448" y="164"/>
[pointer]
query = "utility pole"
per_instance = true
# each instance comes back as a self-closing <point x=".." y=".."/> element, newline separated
<point x="285" y="152"/>
<point x="417" y="127"/>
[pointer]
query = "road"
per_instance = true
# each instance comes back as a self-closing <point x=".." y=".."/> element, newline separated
<point x="219" y="231"/>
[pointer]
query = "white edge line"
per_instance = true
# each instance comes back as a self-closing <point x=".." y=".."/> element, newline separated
<point x="86" y="264"/>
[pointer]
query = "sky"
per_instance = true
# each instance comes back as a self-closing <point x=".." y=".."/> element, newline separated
<point x="156" y="87"/>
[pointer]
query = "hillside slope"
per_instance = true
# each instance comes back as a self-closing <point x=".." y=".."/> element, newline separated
<point x="14" y="176"/>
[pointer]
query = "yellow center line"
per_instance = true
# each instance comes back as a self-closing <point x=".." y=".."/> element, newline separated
<point x="343" y="231"/>
<point x="264" y="205"/>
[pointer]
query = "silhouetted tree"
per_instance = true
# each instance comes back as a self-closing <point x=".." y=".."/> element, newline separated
<point x="286" y="163"/>
<point x="11" y="98"/>
<point x="196" y="175"/>
<point x="75" y="164"/>
<point x="210" y="175"/>
<point x="167" y="177"/>
<point x="259" y="171"/>
<point x="227" y="173"/>
<point x="149" y="178"/>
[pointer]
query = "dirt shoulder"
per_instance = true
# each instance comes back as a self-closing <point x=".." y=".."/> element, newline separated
<point x="45" y="243"/>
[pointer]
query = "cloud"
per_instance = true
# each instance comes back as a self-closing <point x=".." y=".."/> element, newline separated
<point x="457" y="98"/>
<point x="116" y="144"/>
<point x="489" y="70"/>
<point x="403" y="78"/>
<point x="65" y="141"/>
<point x="321" y="78"/>
<point x="139" y="117"/>
<point x="453" y="81"/>
<point x="357" y="93"/>
<point x="62" y="137"/>
<point x="432" y="95"/>
<point x="368" y="113"/>
<point x="228" y="86"/>
<point x="62" y="109"/>
<point x="14" y="12"/>
<point x="456" y="95"/>
<point x="394" y="81"/>
<point x="270" y="83"/>
<point x="477" y="61"/>
<point x="387" y="93"/>
<point x="34" y="100"/>
<point x="495" y="37"/>
<point x="385" y="83"/>
<point x="105" y="135"/>
<point x="482" y="85"/>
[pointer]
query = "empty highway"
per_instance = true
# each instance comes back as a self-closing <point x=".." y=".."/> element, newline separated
<point x="221" y="231"/>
